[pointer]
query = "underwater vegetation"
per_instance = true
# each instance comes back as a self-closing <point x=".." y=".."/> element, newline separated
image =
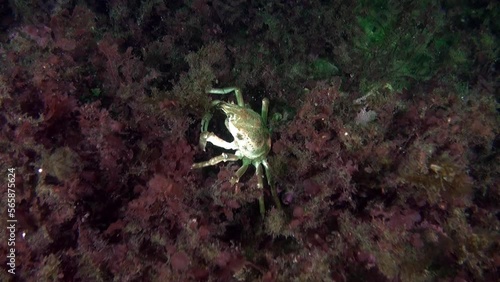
<point x="383" y="120"/>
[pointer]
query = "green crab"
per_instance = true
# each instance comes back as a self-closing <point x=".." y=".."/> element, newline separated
<point x="252" y="139"/>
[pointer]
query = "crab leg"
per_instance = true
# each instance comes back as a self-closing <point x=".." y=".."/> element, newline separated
<point x="260" y="185"/>
<point x="208" y="116"/>
<point x="224" y="91"/>
<point x="224" y="157"/>
<point x="271" y="184"/>
<point x="237" y="175"/>
<point x="265" y="110"/>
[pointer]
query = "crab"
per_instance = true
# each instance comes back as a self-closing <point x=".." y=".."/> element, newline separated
<point x="252" y="139"/>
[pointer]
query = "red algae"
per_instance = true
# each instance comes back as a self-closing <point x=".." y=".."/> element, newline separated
<point x="385" y="159"/>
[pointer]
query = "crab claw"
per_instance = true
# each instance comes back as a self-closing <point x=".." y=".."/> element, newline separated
<point x="203" y="139"/>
